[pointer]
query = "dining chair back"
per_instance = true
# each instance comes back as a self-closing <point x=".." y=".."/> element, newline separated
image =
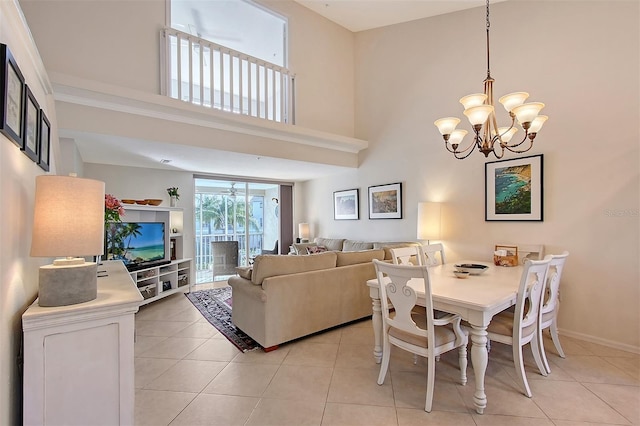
<point x="418" y="333"/>
<point x="406" y="256"/>
<point x="430" y="254"/>
<point x="551" y="305"/>
<point x="521" y="326"/>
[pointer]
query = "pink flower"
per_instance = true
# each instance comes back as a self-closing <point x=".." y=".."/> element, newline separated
<point x="113" y="209"/>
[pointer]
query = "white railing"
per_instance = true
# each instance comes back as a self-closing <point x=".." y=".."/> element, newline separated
<point x="208" y="74"/>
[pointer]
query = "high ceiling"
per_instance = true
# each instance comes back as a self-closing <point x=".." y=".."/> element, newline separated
<point x="355" y="15"/>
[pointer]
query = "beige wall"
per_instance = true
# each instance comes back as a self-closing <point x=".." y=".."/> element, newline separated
<point x="18" y="271"/>
<point x="582" y="60"/>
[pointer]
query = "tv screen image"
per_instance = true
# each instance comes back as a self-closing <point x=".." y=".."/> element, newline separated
<point x="135" y="242"/>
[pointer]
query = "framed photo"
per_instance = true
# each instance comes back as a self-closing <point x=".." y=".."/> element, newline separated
<point x="45" y="142"/>
<point x="31" y="124"/>
<point x="345" y="205"/>
<point x="513" y="189"/>
<point x="12" y="86"/>
<point x="385" y="201"/>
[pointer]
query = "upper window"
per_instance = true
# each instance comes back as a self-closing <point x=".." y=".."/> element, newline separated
<point x="238" y="24"/>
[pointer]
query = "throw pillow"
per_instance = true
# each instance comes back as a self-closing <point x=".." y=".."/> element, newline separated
<point x="244" y="271"/>
<point x="316" y="249"/>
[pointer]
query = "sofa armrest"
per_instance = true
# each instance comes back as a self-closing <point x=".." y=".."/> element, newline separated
<point x="245" y="288"/>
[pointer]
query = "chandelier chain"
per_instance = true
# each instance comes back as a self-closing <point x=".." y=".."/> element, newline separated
<point x="488" y="56"/>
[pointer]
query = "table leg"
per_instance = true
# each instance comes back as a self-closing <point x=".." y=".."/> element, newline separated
<point x="376" y="319"/>
<point x="479" y="359"/>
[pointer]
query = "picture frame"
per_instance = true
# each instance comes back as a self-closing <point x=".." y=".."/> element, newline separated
<point x="44" y="135"/>
<point x="31" y="120"/>
<point x="346" y="204"/>
<point x="12" y="107"/>
<point x="514" y="189"/>
<point x="385" y="201"/>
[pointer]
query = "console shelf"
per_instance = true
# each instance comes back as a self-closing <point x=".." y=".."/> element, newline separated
<point x="157" y="282"/>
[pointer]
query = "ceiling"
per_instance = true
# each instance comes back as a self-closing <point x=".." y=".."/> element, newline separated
<point x="355" y="15"/>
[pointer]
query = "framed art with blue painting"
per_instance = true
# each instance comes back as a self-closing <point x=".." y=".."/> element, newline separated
<point x="514" y="189"/>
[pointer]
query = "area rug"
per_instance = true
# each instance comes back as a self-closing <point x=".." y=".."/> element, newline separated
<point x="215" y="305"/>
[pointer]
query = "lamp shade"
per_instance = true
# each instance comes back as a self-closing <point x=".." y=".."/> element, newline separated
<point x="429" y="219"/>
<point x="303" y="231"/>
<point x="68" y="218"/>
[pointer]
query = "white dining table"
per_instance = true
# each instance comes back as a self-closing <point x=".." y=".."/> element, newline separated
<point x="476" y="299"/>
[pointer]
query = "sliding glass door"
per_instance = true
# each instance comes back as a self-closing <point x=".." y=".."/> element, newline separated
<point x="234" y="222"/>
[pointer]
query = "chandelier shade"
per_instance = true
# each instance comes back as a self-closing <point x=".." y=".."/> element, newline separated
<point x="479" y="109"/>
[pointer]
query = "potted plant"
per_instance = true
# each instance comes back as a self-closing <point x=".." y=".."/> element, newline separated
<point x="174" y="196"/>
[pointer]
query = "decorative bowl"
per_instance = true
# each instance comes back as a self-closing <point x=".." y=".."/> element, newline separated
<point x="127" y="201"/>
<point x="461" y="274"/>
<point x="153" y="201"/>
<point x="471" y="268"/>
<point x="142" y="202"/>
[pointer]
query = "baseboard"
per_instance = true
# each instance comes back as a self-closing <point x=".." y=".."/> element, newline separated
<point x="600" y="341"/>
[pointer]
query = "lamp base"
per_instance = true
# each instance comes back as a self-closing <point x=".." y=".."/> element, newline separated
<point x="67" y="285"/>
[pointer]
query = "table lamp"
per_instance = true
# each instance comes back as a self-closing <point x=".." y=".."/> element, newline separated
<point x="429" y="219"/>
<point x="68" y="221"/>
<point x="303" y="232"/>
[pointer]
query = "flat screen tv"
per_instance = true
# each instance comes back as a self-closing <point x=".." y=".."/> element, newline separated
<point x="135" y="243"/>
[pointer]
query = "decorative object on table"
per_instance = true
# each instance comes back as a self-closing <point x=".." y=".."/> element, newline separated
<point x="12" y="85"/>
<point x="429" y="221"/>
<point x="385" y="201"/>
<point x="68" y="221"/>
<point x="471" y="268"/>
<point x="304" y="232"/>
<point x="513" y="189"/>
<point x="346" y="204"/>
<point x="31" y="122"/>
<point x="174" y="196"/>
<point x="479" y="109"/>
<point x="461" y="274"/>
<point x="44" y="142"/>
<point x="216" y="305"/>
<point x="505" y="255"/>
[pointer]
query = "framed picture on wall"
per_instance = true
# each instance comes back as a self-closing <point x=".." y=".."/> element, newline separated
<point x="31" y="121"/>
<point x="45" y="142"/>
<point x="513" y="189"/>
<point x="345" y="205"/>
<point x="385" y="201"/>
<point x="12" y="85"/>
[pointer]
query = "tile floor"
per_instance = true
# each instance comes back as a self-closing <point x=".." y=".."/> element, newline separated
<point x="189" y="374"/>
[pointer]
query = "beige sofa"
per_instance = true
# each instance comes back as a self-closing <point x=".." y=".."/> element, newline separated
<point x="282" y="298"/>
<point x="344" y="244"/>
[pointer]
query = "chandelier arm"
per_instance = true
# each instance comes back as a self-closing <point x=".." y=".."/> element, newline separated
<point x="518" y="151"/>
<point x="468" y="150"/>
<point x="526" y="136"/>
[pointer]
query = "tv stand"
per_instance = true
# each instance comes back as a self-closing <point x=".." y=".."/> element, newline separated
<point x="156" y="282"/>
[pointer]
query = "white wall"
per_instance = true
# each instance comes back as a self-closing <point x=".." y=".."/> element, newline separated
<point x="18" y="271"/>
<point x="582" y="60"/>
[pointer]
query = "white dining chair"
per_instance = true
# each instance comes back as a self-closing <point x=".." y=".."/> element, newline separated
<point x="522" y="326"/>
<point x="430" y="254"/>
<point x="420" y="334"/>
<point x="409" y="255"/>
<point x="551" y="305"/>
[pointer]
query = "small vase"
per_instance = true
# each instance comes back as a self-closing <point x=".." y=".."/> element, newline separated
<point x="174" y="201"/>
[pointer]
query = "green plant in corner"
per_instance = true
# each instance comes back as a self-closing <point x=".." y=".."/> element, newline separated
<point x="173" y="192"/>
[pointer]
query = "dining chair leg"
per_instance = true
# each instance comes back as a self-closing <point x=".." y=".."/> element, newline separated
<point x="431" y="374"/>
<point x="543" y="354"/>
<point x="537" y="349"/>
<point x="462" y="359"/>
<point x="519" y="363"/>
<point x="384" y="364"/>
<point x="556" y="338"/>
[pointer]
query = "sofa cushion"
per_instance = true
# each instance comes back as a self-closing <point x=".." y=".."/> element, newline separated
<point x="271" y="265"/>
<point x="389" y="245"/>
<point x="354" y="257"/>
<point x="316" y="249"/>
<point x="301" y="248"/>
<point x="334" y="244"/>
<point x="350" y="245"/>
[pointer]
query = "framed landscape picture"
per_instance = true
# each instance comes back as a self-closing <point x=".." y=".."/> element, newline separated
<point x="45" y="141"/>
<point x="345" y="205"/>
<point x="31" y="120"/>
<point x="513" y="189"/>
<point x="12" y="107"/>
<point x="385" y="201"/>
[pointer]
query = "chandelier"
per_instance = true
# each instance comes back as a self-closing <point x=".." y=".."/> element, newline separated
<point x="479" y="109"/>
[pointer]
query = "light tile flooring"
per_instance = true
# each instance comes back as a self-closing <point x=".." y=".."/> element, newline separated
<point x="189" y="374"/>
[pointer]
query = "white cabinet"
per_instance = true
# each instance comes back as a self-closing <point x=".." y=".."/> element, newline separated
<point x="161" y="281"/>
<point x="79" y="359"/>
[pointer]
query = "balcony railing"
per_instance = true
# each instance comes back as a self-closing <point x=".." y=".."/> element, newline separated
<point x="208" y="74"/>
